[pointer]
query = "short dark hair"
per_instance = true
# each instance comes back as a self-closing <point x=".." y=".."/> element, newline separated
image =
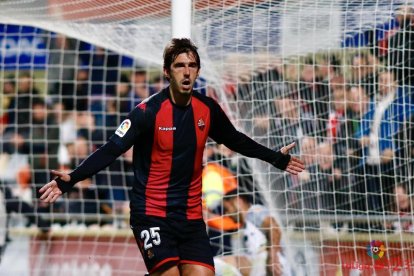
<point x="178" y="46"/>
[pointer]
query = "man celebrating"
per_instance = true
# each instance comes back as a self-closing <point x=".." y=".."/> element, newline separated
<point x="169" y="131"/>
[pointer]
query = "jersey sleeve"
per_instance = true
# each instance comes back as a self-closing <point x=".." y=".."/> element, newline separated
<point x="118" y="143"/>
<point x="130" y="128"/>
<point x="223" y="132"/>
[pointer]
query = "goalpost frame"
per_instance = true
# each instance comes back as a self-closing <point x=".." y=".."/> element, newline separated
<point x="181" y="18"/>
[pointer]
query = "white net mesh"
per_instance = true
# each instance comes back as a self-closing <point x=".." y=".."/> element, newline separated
<point x="332" y="76"/>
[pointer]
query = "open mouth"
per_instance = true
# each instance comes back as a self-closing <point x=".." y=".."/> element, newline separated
<point x="186" y="84"/>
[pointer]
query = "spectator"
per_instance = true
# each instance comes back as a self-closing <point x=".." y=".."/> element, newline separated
<point x="377" y="130"/>
<point x="9" y="92"/>
<point x="401" y="47"/>
<point x="363" y="72"/>
<point x="403" y="206"/>
<point x="338" y="110"/>
<point x="43" y="142"/>
<point x="20" y="105"/>
<point x="103" y="76"/>
<point x="62" y="63"/>
<point x="405" y="149"/>
<point x="86" y="197"/>
<point x="124" y="96"/>
<point x="140" y="89"/>
<point x="291" y="123"/>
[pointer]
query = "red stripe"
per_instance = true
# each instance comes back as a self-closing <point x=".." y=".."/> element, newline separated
<point x="198" y="263"/>
<point x="161" y="161"/>
<point x="202" y="126"/>
<point x="174" y="259"/>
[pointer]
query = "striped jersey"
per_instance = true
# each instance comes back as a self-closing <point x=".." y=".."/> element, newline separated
<point x="169" y="141"/>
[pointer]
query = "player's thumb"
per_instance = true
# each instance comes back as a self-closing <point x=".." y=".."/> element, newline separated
<point x="286" y="149"/>
<point x="63" y="176"/>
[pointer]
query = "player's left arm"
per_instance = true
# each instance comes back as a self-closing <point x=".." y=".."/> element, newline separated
<point x="223" y="132"/>
<point x="273" y="234"/>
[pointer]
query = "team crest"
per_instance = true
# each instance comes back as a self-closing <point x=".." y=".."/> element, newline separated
<point x="150" y="254"/>
<point x="123" y="128"/>
<point x="201" y="125"/>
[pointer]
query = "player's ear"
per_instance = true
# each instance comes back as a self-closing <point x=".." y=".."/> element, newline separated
<point x="166" y="73"/>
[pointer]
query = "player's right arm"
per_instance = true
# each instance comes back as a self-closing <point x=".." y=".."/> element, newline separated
<point x="118" y="143"/>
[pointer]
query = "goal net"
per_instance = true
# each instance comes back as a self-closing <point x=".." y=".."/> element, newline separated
<point x="332" y="76"/>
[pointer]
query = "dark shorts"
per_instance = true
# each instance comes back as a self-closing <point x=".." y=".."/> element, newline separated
<point x="166" y="242"/>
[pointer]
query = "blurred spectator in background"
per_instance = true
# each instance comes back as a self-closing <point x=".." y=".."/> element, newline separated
<point x="304" y="190"/>
<point x="66" y="121"/>
<point x="19" y="110"/>
<point x="291" y="123"/>
<point x="314" y="93"/>
<point x="140" y="88"/>
<point x="103" y="75"/>
<point x="403" y="206"/>
<point x="9" y="92"/>
<point x="88" y="129"/>
<point x="378" y="127"/>
<point x="43" y="141"/>
<point x="86" y="197"/>
<point x="405" y="149"/>
<point x="363" y="72"/>
<point x="61" y="72"/>
<point x="400" y="57"/>
<point x="75" y="94"/>
<point x="124" y="102"/>
<point x="334" y="187"/>
<point x="337" y="111"/>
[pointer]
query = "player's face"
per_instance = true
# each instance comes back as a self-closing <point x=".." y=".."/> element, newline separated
<point x="183" y="73"/>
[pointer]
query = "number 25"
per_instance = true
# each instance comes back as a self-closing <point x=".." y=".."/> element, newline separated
<point x="153" y="233"/>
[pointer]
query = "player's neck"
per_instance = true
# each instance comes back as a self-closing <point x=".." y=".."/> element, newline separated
<point x="180" y="99"/>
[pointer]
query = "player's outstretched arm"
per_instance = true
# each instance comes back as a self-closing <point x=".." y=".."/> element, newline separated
<point x="295" y="165"/>
<point x="51" y="192"/>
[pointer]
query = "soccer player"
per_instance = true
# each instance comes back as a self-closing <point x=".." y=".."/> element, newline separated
<point x="257" y="248"/>
<point x="169" y="131"/>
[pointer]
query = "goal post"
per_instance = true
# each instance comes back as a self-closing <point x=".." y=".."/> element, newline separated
<point x="333" y="76"/>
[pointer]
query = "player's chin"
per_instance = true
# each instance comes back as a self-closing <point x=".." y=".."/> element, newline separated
<point x="186" y="91"/>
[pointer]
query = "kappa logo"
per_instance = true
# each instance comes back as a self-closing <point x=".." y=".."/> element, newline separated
<point x="167" y="128"/>
<point x="201" y="125"/>
<point x="123" y="128"/>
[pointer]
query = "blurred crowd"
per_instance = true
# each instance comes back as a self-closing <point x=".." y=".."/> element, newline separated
<point x="350" y="113"/>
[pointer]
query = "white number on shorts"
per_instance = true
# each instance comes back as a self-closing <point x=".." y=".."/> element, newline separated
<point x="156" y="239"/>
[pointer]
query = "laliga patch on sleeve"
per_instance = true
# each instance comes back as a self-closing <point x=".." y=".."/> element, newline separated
<point x="123" y="128"/>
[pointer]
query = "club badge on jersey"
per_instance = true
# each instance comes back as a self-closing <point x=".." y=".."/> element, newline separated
<point x="123" y="128"/>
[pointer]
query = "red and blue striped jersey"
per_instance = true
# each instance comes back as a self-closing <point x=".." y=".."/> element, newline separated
<point x="169" y="141"/>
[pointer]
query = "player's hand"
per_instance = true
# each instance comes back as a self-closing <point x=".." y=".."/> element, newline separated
<point x="275" y="267"/>
<point x="295" y="165"/>
<point x="51" y="192"/>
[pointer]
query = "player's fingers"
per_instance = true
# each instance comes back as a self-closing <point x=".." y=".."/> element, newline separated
<point x="297" y="162"/>
<point x="296" y="169"/>
<point x="55" y="197"/>
<point x="287" y="148"/>
<point x="289" y="170"/>
<point x="50" y="197"/>
<point x="46" y="193"/>
<point x="44" y="188"/>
